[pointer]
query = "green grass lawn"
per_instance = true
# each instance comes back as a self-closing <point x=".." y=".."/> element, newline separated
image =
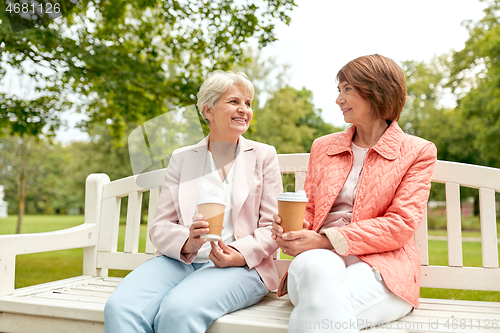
<point x="44" y="267"/>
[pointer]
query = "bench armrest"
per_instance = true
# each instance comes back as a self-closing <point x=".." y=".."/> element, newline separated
<point x="81" y="236"/>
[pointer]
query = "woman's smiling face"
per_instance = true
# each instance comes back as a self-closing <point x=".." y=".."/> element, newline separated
<point x="232" y="114"/>
<point x="356" y="109"/>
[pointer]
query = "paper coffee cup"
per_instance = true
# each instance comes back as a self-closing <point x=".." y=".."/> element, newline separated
<point x="212" y="209"/>
<point x="291" y="209"/>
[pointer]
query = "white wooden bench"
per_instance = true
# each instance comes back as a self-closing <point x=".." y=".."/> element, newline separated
<point x="76" y="304"/>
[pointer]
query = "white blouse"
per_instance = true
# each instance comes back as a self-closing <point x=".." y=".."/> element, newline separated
<point x="213" y="186"/>
<point x="341" y="211"/>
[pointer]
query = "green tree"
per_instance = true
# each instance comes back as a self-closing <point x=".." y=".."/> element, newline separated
<point x="129" y="61"/>
<point x="32" y="172"/>
<point x="424" y="82"/>
<point x="120" y="63"/>
<point x="289" y="121"/>
<point x="475" y="76"/>
<point x="101" y="154"/>
<point x="423" y="115"/>
<point x="447" y="128"/>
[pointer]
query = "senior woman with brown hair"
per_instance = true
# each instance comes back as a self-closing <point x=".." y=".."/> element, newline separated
<point x="356" y="263"/>
<point x="192" y="282"/>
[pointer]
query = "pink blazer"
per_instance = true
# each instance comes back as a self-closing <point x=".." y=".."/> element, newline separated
<point x="257" y="182"/>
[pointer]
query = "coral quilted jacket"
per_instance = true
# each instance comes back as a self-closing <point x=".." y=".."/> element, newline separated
<point x="391" y="198"/>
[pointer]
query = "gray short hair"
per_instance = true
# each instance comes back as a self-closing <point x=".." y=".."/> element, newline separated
<point x="218" y="83"/>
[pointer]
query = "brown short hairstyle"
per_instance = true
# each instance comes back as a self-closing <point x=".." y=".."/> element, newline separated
<point x="380" y="80"/>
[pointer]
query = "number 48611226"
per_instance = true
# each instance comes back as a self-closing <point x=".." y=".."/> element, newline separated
<point x="32" y="8"/>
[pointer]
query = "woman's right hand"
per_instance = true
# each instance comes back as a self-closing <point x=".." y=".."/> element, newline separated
<point x="197" y="228"/>
<point x="277" y="230"/>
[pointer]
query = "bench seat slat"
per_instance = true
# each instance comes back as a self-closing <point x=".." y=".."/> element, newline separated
<point x="72" y="297"/>
<point x="448" y="324"/>
<point x="57" y="308"/>
<point x="470" y="308"/>
<point x="13" y="322"/>
<point x="429" y="314"/>
<point x="101" y="292"/>
<point x="53" y="285"/>
<point x="96" y="287"/>
<point x="272" y="313"/>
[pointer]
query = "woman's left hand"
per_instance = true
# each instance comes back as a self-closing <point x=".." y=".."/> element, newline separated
<point x="225" y="256"/>
<point x="294" y="243"/>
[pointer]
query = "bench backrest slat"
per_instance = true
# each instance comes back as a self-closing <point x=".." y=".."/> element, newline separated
<point x="294" y="164"/>
<point x="108" y="231"/>
<point x="422" y="241"/>
<point x="489" y="241"/>
<point x="154" y="195"/>
<point x="133" y="226"/>
<point x="454" y="225"/>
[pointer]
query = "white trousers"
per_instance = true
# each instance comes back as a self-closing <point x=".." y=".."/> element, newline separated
<point x="330" y="297"/>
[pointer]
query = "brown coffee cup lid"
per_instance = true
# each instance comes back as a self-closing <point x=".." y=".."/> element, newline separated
<point x="214" y="199"/>
<point x="299" y="196"/>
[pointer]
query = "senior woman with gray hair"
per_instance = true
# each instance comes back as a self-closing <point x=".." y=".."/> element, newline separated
<point x="191" y="282"/>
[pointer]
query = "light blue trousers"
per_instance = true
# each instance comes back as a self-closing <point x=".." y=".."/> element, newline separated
<point x="170" y="296"/>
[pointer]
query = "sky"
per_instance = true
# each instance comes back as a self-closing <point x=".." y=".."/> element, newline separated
<point x="326" y="34"/>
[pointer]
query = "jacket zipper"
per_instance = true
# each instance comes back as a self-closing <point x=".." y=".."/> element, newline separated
<point x="378" y="277"/>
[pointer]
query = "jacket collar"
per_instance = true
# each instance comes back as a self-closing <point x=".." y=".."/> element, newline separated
<point x="387" y="146"/>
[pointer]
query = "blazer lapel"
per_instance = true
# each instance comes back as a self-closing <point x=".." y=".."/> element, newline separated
<point x="190" y="180"/>
<point x="244" y="171"/>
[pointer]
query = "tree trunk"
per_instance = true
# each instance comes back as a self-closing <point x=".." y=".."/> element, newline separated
<point x="20" y="213"/>
<point x="21" y="191"/>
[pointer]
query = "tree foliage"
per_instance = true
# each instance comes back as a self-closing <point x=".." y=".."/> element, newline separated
<point x="475" y="76"/>
<point x="289" y="121"/>
<point x="54" y="174"/>
<point x="32" y="171"/>
<point x="121" y="63"/>
<point x="128" y="61"/>
<point x="285" y="117"/>
<point x="424" y="116"/>
<point x="446" y="127"/>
